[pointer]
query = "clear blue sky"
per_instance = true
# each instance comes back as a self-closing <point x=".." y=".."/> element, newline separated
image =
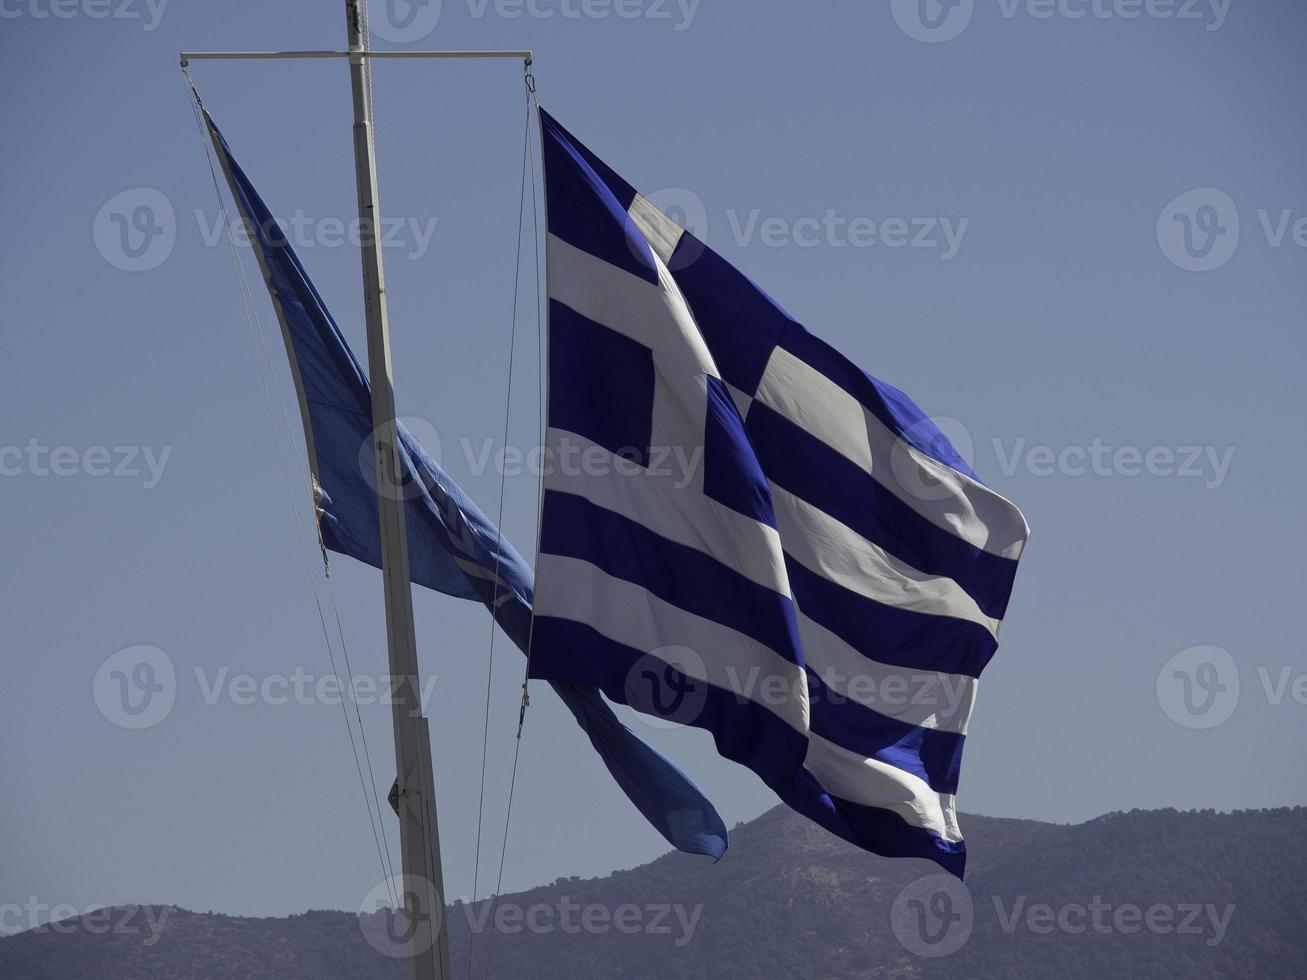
<point x="1060" y="317"/>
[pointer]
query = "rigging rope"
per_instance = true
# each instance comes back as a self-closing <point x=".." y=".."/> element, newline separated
<point x="258" y="340"/>
<point x="499" y="519"/>
<point x="540" y="354"/>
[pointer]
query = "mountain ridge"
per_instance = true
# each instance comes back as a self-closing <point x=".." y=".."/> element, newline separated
<point x="1156" y="893"/>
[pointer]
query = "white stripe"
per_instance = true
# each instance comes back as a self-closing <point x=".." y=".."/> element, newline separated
<point x="742" y="399"/>
<point x="651" y="497"/>
<point x="633" y="616"/>
<point x="680" y="413"/>
<point x="873" y="783"/>
<point x="661" y="232"/>
<point x="838" y="553"/>
<point x="653" y="315"/>
<point x="948" y="499"/>
<point x="931" y="699"/>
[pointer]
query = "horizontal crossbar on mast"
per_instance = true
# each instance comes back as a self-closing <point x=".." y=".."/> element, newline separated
<point x="291" y="55"/>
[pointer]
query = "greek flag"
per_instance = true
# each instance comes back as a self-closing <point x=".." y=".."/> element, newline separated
<point x="744" y="532"/>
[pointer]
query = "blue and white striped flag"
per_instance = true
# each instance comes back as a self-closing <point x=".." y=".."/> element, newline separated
<point x="744" y="532"/>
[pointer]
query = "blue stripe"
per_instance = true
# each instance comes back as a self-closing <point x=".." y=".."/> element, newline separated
<point x="880" y="831"/>
<point x="731" y="474"/>
<point x="584" y="207"/>
<point x="615" y="408"/>
<point x="685" y="577"/>
<point x="888" y="634"/>
<point x="813" y="471"/>
<point x="893" y="408"/>
<point x="745" y="732"/>
<point x="929" y="754"/>
<point x="623" y="192"/>
<point x="740" y="323"/>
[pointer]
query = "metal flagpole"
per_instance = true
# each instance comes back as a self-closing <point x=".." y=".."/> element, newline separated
<point x="424" y="933"/>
